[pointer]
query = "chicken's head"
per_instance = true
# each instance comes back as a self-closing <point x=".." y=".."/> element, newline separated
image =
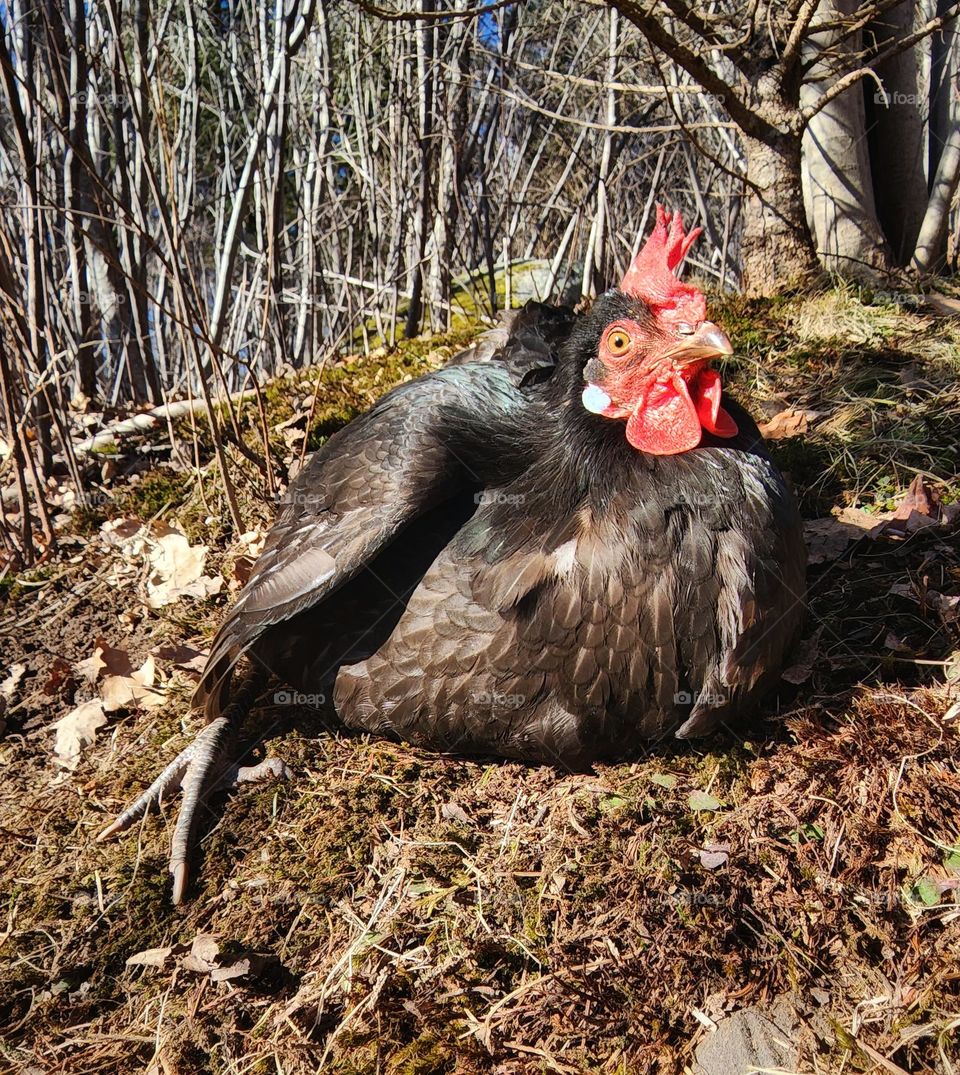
<point x="651" y="365"/>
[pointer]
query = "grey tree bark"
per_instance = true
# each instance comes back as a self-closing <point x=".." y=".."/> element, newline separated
<point x="896" y="137"/>
<point x="838" y="188"/>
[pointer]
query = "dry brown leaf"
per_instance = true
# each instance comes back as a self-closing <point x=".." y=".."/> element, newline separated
<point x="203" y="954"/>
<point x="105" y="658"/>
<point x="713" y="856"/>
<point x="11" y="684"/>
<point x="150" y="957"/>
<point x="78" y="729"/>
<point x="918" y="509"/>
<point x="132" y="691"/>
<point x="122" y="531"/>
<point x="896" y="644"/>
<point x="920" y="498"/>
<point x="248" y="965"/>
<point x="176" y="570"/>
<point x="58" y="672"/>
<point x="127" y="692"/>
<point x="868" y="524"/>
<point x="173" y="567"/>
<point x="242" y="569"/>
<point x="805" y="658"/>
<point x="454" y="812"/>
<point x="184" y="657"/>
<point x="788" y="423"/>
<point x="829" y="537"/>
<point x="251" y="543"/>
<point x="91" y="667"/>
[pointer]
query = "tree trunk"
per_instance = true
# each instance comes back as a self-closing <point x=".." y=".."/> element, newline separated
<point x="931" y="252"/>
<point x="451" y="100"/>
<point x="776" y="250"/>
<point x="896" y="138"/>
<point x="424" y="209"/>
<point x="838" y="185"/>
<point x="932" y="241"/>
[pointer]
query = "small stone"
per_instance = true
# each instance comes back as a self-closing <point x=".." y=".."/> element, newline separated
<point x="747" y="1041"/>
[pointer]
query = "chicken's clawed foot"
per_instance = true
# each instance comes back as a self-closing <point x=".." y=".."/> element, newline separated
<point x="191" y="771"/>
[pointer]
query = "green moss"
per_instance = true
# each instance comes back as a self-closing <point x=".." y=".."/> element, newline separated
<point x="156" y="492"/>
<point x="427" y="1055"/>
<point x="86" y="519"/>
<point x="13" y="586"/>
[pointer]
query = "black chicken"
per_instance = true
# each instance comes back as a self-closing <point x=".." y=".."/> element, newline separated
<point x="564" y="543"/>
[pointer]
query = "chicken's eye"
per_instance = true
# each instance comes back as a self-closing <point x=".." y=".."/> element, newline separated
<point x="618" y="342"/>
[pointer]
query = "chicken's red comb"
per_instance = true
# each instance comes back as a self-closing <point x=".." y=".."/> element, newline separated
<point x="652" y="276"/>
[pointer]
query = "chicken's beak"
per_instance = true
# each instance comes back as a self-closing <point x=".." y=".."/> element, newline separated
<point x="706" y="341"/>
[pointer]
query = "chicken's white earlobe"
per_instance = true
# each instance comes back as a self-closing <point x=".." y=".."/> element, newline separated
<point x="595" y="399"/>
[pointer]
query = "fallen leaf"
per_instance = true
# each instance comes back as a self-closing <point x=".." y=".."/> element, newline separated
<point x="122" y="531"/>
<point x="251" y="543"/>
<point x="58" y="672"/>
<point x="863" y="523"/>
<point x="909" y="524"/>
<point x="921" y="499"/>
<point x="78" y="729"/>
<point x="895" y="644"/>
<point x="10" y="685"/>
<point x="454" y="812"/>
<point x="251" y="964"/>
<point x="242" y="569"/>
<point x="788" y="423"/>
<point x="184" y="657"/>
<point x="150" y="957"/>
<point x="105" y="658"/>
<point x="828" y="538"/>
<point x="176" y="571"/>
<point x="203" y="954"/>
<point x="131" y="692"/>
<point x="804" y="659"/>
<point x="713" y="856"/>
<point x="664" y="780"/>
<point x="702" y="800"/>
<point x="91" y="667"/>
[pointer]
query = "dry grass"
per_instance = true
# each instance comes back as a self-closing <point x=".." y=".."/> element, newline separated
<point x="417" y="914"/>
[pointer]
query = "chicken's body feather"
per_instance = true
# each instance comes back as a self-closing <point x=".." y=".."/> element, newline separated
<point x="479" y="565"/>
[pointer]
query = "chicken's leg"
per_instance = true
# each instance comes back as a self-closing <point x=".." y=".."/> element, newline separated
<point x="191" y="770"/>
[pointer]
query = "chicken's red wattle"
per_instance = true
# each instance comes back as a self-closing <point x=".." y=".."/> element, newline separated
<point x="671" y="414"/>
